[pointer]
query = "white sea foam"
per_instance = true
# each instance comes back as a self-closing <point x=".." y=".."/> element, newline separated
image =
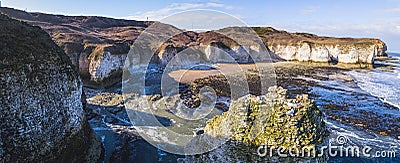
<point x="382" y="84"/>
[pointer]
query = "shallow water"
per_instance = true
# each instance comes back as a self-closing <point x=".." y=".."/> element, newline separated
<point x="382" y="82"/>
<point x="375" y="91"/>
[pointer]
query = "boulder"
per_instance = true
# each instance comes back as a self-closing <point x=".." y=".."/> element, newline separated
<point x="270" y="120"/>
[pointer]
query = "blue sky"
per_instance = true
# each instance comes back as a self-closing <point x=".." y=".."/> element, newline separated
<point x="340" y="18"/>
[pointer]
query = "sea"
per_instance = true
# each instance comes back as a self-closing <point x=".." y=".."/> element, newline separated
<point x="375" y="90"/>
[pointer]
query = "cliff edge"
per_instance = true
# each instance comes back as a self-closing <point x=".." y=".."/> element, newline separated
<point x="310" y="47"/>
<point x="98" y="46"/>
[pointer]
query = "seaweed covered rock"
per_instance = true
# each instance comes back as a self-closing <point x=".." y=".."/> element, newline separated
<point x="42" y="117"/>
<point x="270" y="120"/>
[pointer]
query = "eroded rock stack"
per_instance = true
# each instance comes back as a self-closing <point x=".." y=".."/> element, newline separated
<point x="42" y="117"/>
<point x="272" y="120"/>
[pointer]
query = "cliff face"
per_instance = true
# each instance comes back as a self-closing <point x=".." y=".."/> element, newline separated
<point x="98" y="46"/>
<point x="41" y="108"/>
<point x="309" y="47"/>
<point x="280" y="45"/>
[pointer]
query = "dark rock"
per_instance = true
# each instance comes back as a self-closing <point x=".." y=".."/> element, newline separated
<point x="42" y="116"/>
<point x="200" y="132"/>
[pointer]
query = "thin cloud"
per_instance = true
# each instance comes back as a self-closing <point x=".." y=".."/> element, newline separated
<point x="389" y="26"/>
<point x="176" y="7"/>
<point x="309" y="10"/>
<point x="392" y="10"/>
<point x="219" y="5"/>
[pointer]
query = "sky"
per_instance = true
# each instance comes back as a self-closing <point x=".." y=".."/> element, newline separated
<point x="339" y="18"/>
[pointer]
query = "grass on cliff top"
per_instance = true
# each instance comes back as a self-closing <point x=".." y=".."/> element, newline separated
<point x="22" y="43"/>
<point x="274" y="36"/>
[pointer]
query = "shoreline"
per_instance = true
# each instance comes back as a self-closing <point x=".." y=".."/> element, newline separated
<point x="314" y="79"/>
<point x="297" y="77"/>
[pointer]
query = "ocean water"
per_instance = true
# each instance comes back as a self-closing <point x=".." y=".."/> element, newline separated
<point x="376" y="91"/>
<point x="382" y="82"/>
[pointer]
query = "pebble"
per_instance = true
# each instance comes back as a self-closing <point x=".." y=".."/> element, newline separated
<point x="290" y="112"/>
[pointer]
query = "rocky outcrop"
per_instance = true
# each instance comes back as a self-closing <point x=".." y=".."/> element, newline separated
<point x="271" y="120"/>
<point x="98" y="46"/>
<point x="42" y="117"/>
<point x="104" y="64"/>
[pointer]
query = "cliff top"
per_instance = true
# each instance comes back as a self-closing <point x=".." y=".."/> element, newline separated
<point x="273" y="36"/>
<point x="24" y="44"/>
<point x="81" y="29"/>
